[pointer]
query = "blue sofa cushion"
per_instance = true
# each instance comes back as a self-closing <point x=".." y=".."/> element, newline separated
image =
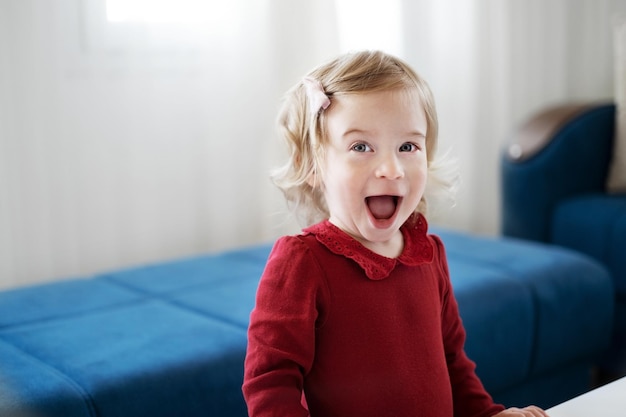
<point x="28" y="385"/>
<point x="230" y="302"/>
<point x="149" y="358"/>
<point x="601" y="219"/>
<point x="494" y="340"/>
<point x="220" y="286"/>
<point x="60" y="299"/>
<point x="166" y="278"/>
<point x="552" y="283"/>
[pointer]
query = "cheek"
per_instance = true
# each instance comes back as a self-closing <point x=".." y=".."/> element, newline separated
<point x="342" y="186"/>
<point x="419" y="177"/>
<point x="340" y="170"/>
<point x="419" y="169"/>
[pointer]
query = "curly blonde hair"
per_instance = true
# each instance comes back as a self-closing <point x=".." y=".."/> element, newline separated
<point x="304" y="130"/>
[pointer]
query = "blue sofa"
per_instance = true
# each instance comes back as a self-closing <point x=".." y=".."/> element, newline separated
<point x="169" y="339"/>
<point x="553" y="186"/>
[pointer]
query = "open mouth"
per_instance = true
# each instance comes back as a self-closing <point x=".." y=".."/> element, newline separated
<point x="382" y="207"/>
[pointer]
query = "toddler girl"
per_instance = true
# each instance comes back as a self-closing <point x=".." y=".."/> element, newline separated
<point x="356" y="316"/>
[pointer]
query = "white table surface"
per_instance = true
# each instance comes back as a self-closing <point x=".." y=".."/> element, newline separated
<point x="606" y="401"/>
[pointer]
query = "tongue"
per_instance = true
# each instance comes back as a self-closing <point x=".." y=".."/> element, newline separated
<point x="382" y="207"/>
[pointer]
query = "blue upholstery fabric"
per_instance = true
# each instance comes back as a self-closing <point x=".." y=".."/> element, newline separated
<point x="164" y="278"/>
<point x="574" y="162"/>
<point x="31" y="388"/>
<point x="231" y="302"/>
<point x="169" y="339"/>
<point x="551" y="285"/>
<point x="145" y="359"/>
<point x="60" y="299"/>
<point x="595" y="224"/>
<point x="550" y="388"/>
<point x="494" y="338"/>
<point x="558" y="196"/>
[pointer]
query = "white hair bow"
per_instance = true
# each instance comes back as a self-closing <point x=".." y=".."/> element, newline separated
<point x="318" y="100"/>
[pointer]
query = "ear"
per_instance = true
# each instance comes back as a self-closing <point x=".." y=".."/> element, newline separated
<point x="312" y="180"/>
<point x="315" y="179"/>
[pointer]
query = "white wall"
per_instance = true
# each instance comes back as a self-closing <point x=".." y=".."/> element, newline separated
<point x="114" y="157"/>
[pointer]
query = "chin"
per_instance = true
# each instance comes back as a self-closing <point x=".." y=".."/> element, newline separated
<point x="380" y="234"/>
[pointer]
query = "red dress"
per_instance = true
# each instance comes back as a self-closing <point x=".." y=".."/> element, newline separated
<point x="357" y="333"/>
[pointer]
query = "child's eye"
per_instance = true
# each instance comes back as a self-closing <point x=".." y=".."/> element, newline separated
<point x="408" y="147"/>
<point x="361" y="147"/>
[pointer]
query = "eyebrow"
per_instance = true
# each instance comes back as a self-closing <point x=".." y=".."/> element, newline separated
<point x="412" y="133"/>
<point x="352" y="131"/>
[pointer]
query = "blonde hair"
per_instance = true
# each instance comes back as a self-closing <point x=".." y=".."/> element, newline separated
<point x="303" y="128"/>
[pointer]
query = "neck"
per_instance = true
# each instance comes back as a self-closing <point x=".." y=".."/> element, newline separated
<point x="391" y="248"/>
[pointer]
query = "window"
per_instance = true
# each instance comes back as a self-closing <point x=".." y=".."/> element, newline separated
<point x="160" y="24"/>
<point x="370" y="24"/>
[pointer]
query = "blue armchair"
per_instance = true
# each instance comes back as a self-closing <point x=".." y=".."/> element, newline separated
<point x="553" y="190"/>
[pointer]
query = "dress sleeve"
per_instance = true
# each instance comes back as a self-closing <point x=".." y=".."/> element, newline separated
<point x="470" y="397"/>
<point x="281" y="335"/>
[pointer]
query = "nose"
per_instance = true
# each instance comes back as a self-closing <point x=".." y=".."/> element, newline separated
<point x="390" y="167"/>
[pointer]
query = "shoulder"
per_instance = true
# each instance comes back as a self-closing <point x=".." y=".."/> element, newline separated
<point x="312" y="245"/>
<point x="440" y="265"/>
<point x="293" y="259"/>
<point x="293" y="274"/>
<point x="438" y="246"/>
<point x="295" y="248"/>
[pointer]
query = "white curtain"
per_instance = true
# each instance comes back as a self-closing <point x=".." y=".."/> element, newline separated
<point x="122" y="143"/>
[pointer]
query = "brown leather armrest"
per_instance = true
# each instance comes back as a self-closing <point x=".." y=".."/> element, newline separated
<point x="532" y="136"/>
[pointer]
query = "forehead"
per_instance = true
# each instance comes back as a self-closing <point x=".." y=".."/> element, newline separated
<point x="400" y="111"/>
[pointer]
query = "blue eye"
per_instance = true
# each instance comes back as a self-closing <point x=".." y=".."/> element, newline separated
<point x="408" y="147"/>
<point x="361" y="147"/>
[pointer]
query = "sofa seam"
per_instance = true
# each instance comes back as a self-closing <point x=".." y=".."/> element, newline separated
<point x="166" y="298"/>
<point x="210" y="316"/>
<point x="85" y="396"/>
<point x="140" y="290"/>
<point x="12" y="326"/>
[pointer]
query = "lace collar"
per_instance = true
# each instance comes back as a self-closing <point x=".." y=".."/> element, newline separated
<point x="418" y="248"/>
